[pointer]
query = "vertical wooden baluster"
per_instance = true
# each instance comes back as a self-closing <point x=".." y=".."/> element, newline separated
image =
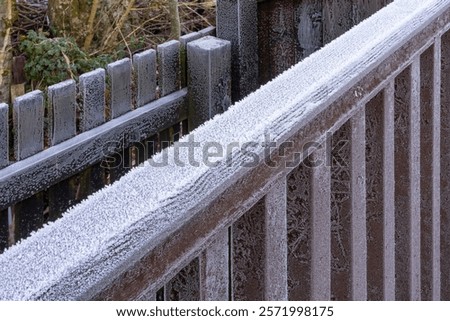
<point x="214" y="269"/>
<point x="62" y="111"/>
<point x="389" y="192"/>
<point x="275" y="270"/>
<point x="358" y="206"/>
<point x="341" y="213"/>
<point x="430" y="66"/>
<point x="4" y="161"/>
<point x="29" y="140"/>
<point x="321" y="227"/>
<point x="407" y="183"/>
<point x="445" y="168"/>
<point x="436" y="171"/>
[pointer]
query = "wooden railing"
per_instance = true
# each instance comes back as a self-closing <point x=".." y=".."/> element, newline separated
<point x="329" y="182"/>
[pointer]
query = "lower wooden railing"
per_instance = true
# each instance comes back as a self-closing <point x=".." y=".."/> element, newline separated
<point x="330" y="182"/>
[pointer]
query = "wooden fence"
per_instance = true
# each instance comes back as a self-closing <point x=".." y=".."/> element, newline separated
<point x="76" y="138"/>
<point x="333" y="185"/>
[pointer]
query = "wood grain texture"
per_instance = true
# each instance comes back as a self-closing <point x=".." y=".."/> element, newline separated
<point x="168" y="55"/>
<point x="83" y="149"/>
<point x="205" y="218"/>
<point x="144" y="64"/>
<point x="119" y="73"/>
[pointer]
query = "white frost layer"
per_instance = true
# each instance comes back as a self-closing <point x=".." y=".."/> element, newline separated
<point x="73" y="257"/>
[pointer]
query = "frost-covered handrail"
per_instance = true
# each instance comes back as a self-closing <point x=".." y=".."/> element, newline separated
<point x="95" y="243"/>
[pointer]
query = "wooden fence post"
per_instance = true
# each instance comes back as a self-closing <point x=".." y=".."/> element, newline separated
<point x="209" y="71"/>
<point x="237" y="21"/>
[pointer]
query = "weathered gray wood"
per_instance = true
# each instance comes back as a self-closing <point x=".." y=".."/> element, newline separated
<point x="337" y="18"/>
<point x="92" y="92"/>
<point x="276" y="37"/>
<point x="84" y="148"/>
<point x="4" y="136"/>
<point x="309" y="27"/>
<point x="407" y="183"/>
<point x="208" y="31"/>
<point x="169" y="67"/>
<point x="390" y="223"/>
<point x="184" y="40"/>
<point x="311" y="110"/>
<point x="29" y="129"/>
<point x="62" y="107"/>
<point x="237" y="22"/>
<point x="144" y="64"/>
<point x="358" y="208"/>
<point x="275" y="270"/>
<point x="321" y="227"/>
<point x="29" y="124"/>
<point x="365" y="8"/>
<point x="437" y="66"/>
<point x="214" y="269"/>
<point x="430" y="171"/>
<point x="119" y="73"/>
<point x="445" y="169"/>
<point x="209" y="75"/>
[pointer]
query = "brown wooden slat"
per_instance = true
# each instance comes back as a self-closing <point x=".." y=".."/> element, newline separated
<point x="389" y="192"/>
<point x="359" y="219"/>
<point x="430" y="171"/>
<point x="214" y="269"/>
<point x="445" y="170"/>
<point x="341" y="214"/>
<point x="321" y="227"/>
<point x="275" y="269"/>
<point x="407" y="183"/>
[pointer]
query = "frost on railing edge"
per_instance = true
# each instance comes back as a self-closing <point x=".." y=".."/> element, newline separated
<point x="77" y="255"/>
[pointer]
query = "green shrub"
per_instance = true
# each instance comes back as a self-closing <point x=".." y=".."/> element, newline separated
<point x="52" y="60"/>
